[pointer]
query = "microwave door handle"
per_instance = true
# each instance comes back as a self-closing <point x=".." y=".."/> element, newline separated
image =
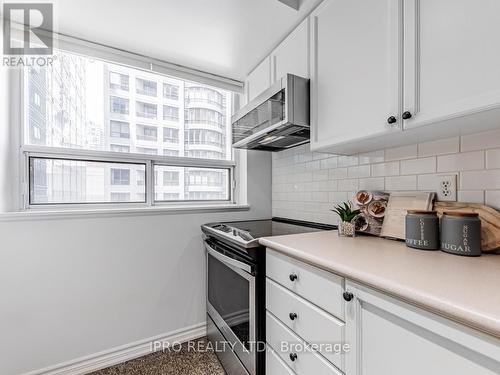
<point x="229" y="261"/>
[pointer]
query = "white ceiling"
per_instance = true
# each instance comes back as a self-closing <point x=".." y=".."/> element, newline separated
<point x="225" y="37"/>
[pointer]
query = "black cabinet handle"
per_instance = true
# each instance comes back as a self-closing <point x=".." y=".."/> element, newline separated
<point x="391" y="120"/>
<point x="293" y="357"/>
<point x="293" y="277"/>
<point x="406" y="115"/>
<point x="292" y="316"/>
<point x="348" y="296"/>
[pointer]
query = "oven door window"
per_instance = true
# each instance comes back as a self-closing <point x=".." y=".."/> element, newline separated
<point x="229" y="292"/>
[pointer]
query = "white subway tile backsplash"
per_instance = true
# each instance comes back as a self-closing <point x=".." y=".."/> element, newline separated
<point x="385" y="169"/>
<point x="465" y="161"/>
<point x="471" y="196"/>
<point x="329" y="163"/>
<point x="400" y="153"/>
<point x="359" y="171"/>
<point x="439" y="147"/>
<point x="338" y="173"/>
<point x="427" y="182"/>
<point x="418" y="166"/>
<point x="374" y="183"/>
<point x="307" y="184"/>
<point x="347" y="161"/>
<point x="348" y="185"/>
<point x="480" y="180"/>
<point x="493" y="198"/>
<point x="320" y="175"/>
<point x="371" y="157"/>
<point x="493" y="159"/>
<point x="480" y="141"/>
<point x="401" y="183"/>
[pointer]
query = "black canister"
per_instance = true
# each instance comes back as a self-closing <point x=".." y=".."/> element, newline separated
<point x="422" y="230"/>
<point x="461" y="233"/>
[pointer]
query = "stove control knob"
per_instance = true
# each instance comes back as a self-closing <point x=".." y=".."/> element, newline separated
<point x="293" y="277"/>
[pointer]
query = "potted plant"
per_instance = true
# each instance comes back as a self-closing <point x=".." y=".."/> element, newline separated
<point x="347" y="214"/>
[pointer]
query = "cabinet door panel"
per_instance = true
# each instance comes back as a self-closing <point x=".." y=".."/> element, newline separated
<point x="390" y="337"/>
<point x="451" y="58"/>
<point x="292" y="55"/>
<point x="259" y="79"/>
<point x="355" y="70"/>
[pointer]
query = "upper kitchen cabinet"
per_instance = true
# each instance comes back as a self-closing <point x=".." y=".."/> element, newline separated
<point x="292" y="55"/>
<point x="356" y="70"/>
<point x="259" y="79"/>
<point x="385" y="75"/>
<point x="452" y="59"/>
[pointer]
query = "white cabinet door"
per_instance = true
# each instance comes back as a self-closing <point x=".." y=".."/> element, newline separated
<point x="292" y="55"/>
<point x="259" y="79"/>
<point x="390" y="337"/>
<point x="452" y="58"/>
<point x="356" y="70"/>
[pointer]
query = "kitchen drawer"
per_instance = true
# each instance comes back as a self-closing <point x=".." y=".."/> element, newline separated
<point x="322" y="288"/>
<point x="275" y="365"/>
<point x="312" y="324"/>
<point x="307" y="361"/>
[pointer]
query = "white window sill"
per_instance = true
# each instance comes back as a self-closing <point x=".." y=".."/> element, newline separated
<point x="128" y="211"/>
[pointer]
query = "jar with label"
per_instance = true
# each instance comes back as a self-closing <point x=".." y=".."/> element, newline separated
<point x="461" y="233"/>
<point x="422" y="230"/>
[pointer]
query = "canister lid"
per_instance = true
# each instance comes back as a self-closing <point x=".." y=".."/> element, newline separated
<point x="421" y="212"/>
<point x="462" y="214"/>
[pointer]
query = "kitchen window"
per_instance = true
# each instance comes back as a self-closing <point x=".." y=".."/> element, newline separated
<point x="83" y="140"/>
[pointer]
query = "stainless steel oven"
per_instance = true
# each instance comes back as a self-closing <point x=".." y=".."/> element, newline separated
<point x="231" y="306"/>
<point x="236" y="293"/>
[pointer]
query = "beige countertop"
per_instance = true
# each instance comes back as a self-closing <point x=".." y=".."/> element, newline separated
<point x="464" y="289"/>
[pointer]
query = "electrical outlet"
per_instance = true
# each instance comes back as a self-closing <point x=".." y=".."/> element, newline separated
<point x="447" y="188"/>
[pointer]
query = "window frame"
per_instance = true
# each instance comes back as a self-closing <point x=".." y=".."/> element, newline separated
<point x="150" y="161"/>
<point x="19" y="89"/>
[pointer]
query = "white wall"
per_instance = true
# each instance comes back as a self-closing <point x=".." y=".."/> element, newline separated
<point x="74" y="287"/>
<point x="306" y="185"/>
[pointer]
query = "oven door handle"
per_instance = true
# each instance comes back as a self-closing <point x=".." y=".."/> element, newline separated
<point x="229" y="261"/>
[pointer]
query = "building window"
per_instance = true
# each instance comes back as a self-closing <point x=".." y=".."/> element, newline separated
<point x="120" y="148"/>
<point x="148" y="151"/>
<point x="103" y="163"/>
<point x="119" y="129"/>
<point x="118" y="81"/>
<point x="170" y="135"/>
<point x="118" y="105"/>
<point x="146" y="110"/>
<point x="145" y="87"/>
<point x="170" y="113"/>
<point x="120" y="176"/>
<point x="147" y="133"/>
<point x="170" y="91"/>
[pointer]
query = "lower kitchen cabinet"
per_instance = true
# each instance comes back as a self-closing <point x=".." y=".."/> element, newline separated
<point x="390" y="337"/>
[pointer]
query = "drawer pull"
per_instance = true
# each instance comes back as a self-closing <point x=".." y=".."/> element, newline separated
<point x="292" y="316"/>
<point x="293" y="357"/>
<point x="348" y="296"/>
<point x="293" y="277"/>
